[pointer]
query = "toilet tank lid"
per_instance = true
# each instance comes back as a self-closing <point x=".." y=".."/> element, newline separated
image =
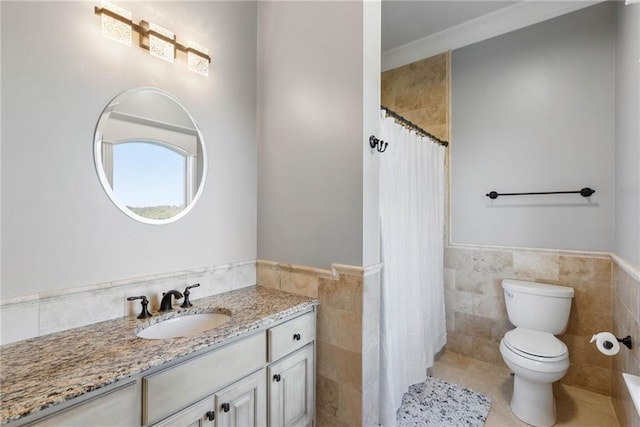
<point x="535" y="288"/>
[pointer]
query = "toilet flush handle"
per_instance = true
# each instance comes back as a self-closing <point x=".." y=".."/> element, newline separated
<point x="509" y="294"/>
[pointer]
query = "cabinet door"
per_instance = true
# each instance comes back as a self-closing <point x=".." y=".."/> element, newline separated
<point x="243" y="404"/>
<point x="196" y="415"/>
<point x="119" y="407"/>
<point x="291" y="390"/>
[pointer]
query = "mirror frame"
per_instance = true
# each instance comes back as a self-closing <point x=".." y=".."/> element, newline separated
<point x="99" y="165"/>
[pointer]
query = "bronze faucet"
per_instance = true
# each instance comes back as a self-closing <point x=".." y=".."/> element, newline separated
<point x="165" y="304"/>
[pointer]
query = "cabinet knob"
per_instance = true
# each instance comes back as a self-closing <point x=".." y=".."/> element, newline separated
<point x="225" y="407"/>
<point x="276" y="378"/>
<point x="297" y="337"/>
<point x="211" y="415"/>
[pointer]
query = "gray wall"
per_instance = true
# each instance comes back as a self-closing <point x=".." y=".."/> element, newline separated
<point x="533" y="110"/>
<point x="310" y="161"/>
<point x="59" y="228"/>
<point x="627" y="171"/>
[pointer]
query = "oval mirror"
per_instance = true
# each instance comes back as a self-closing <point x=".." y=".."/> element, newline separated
<point x="150" y="156"/>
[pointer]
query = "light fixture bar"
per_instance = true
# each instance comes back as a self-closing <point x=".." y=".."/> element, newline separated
<point x="147" y="30"/>
<point x="111" y="14"/>
<point x="190" y="49"/>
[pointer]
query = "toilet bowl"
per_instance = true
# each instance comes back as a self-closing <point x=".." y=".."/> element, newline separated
<point x="532" y="399"/>
<point x="531" y="350"/>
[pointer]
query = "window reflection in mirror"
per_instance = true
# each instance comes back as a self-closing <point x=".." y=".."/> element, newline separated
<point x="150" y="156"/>
<point x="150" y="178"/>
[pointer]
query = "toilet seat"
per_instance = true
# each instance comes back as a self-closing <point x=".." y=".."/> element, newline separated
<point x="535" y="345"/>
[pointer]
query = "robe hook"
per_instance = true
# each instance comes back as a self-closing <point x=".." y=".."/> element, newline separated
<point x="378" y="144"/>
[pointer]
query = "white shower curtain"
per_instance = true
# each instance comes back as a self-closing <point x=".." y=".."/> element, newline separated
<point x="413" y="326"/>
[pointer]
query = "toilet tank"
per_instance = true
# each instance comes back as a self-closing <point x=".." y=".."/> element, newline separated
<point x="538" y="306"/>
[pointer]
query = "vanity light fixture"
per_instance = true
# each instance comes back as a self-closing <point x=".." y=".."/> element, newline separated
<point x="160" y="42"/>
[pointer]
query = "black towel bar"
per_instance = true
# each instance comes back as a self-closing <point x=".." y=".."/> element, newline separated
<point x="585" y="192"/>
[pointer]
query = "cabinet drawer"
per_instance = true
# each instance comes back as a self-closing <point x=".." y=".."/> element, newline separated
<point x="176" y="387"/>
<point x="119" y="407"/>
<point x="291" y="335"/>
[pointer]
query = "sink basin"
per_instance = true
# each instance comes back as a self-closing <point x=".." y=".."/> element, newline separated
<point x="183" y="326"/>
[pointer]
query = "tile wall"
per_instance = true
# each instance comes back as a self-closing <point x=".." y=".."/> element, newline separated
<point x="40" y="314"/>
<point x="476" y="312"/>
<point x="347" y="363"/>
<point x="626" y="321"/>
<point x="420" y="92"/>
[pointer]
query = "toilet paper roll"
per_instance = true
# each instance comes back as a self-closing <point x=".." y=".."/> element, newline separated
<point x="607" y="343"/>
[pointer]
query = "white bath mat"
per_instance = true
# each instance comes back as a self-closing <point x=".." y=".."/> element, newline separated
<point x="437" y="403"/>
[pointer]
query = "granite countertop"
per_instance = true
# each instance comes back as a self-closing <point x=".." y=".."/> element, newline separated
<point x="52" y="369"/>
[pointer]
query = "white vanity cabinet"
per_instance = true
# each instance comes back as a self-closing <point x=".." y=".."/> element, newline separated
<point x="262" y="378"/>
<point x="266" y="379"/>
<point x="292" y="372"/>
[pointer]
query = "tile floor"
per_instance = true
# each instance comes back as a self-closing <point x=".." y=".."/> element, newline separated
<point x="576" y="407"/>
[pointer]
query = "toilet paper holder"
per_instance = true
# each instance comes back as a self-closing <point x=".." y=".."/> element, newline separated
<point x="626" y="341"/>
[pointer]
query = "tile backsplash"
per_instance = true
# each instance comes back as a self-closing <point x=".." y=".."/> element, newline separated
<point x="40" y="314"/>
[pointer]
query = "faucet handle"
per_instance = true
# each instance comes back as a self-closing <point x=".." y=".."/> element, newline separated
<point x="145" y="302"/>
<point x="192" y="286"/>
<point x="186" y="293"/>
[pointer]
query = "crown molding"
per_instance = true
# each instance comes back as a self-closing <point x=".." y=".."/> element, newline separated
<point x="493" y="24"/>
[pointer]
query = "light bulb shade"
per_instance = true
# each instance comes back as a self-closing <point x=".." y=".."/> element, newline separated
<point x="160" y="47"/>
<point x="198" y="63"/>
<point x="113" y="28"/>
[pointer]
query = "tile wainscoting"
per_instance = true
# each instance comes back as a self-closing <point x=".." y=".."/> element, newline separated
<point x="477" y="317"/>
<point x="44" y="313"/>
<point x="347" y="367"/>
<point x="607" y="298"/>
<point x="626" y="321"/>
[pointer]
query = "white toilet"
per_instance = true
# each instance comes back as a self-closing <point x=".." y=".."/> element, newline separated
<point x="537" y="358"/>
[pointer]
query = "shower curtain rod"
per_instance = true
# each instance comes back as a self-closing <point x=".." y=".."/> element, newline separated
<point x="413" y="126"/>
